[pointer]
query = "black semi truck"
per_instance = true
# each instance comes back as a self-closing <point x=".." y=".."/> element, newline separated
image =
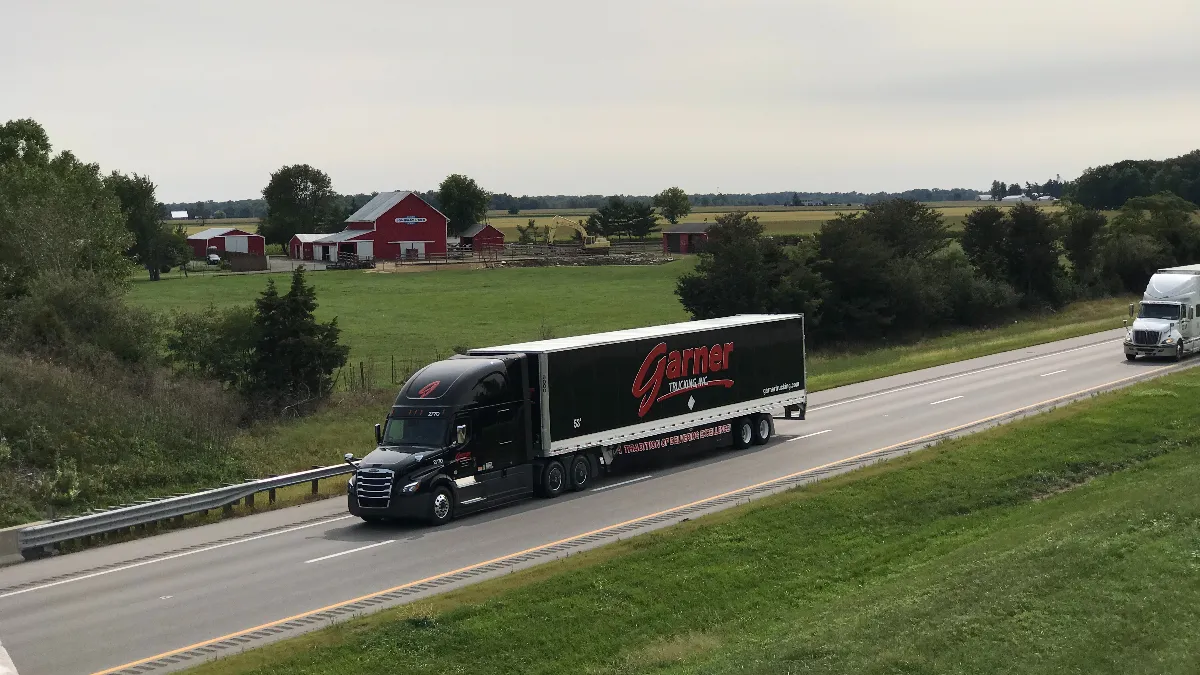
<point x="504" y="423"/>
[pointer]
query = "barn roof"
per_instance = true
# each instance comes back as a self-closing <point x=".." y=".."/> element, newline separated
<point x="344" y="235"/>
<point x="210" y="233"/>
<point x="379" y="204"/>
<point x="475" y="229"/>
<point x="688" y="228"/>
<point x="306" y="238"/>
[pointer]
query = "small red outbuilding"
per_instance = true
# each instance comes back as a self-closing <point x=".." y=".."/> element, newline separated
<point x="482" y="237"/>
<point x="685" y="237"/>
<point x="227" y="239"/>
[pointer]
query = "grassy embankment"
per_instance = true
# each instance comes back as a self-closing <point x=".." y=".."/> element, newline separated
<point x="1064" y="543"/>
<point x="417" y="317"/>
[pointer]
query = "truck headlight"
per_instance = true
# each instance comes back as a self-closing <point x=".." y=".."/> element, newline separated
<point x="411" y="487"/>
<point x="1169" y="341"/>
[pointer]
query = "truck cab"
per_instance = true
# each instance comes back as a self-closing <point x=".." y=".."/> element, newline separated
<point x="1164" y="323"/>
<point x="458" y="437"/>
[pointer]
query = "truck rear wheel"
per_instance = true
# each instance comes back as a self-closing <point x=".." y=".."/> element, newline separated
<point x="581" y="473"/>
<point x="554" y="480"/>
<point x="743" y="433"/>
<point x="441" y="507"/>
<point x="762" y="429"/>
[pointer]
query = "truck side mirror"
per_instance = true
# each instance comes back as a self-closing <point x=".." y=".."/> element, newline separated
<point x="1125" y="322"/>
<point x="378" y="435"/>
<point x="460" y="434"/>
<point x="349" y="457"/>
<point x="1131" y="311"/>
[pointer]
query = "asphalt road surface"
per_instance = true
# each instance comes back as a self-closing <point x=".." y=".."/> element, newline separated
<point x="174" y="600"/>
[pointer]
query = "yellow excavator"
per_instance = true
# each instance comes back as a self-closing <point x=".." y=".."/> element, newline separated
<point x="591" y="244"/>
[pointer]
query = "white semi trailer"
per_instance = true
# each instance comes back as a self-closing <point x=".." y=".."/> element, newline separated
<point x="1165" y="323"/>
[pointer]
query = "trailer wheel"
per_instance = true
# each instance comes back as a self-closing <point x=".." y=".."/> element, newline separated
<point x="762" y="429"/>
<point x="441" y="506"/>
<point x="581" y="473"/>
<point x="743" y="433"/>
<point x="554" y="480"/>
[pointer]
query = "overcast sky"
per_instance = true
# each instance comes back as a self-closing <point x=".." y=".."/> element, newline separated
<point x="208" y="98"/>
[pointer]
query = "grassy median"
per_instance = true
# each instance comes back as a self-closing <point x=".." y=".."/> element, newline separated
<point x="1065" y="543"/>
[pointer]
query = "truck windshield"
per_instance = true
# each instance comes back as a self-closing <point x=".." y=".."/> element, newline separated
<point x="415" y="431"/>
<point x="1152" y="310"/>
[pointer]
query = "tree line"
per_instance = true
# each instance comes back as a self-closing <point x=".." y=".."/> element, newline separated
<point x="896" y="271"/>
<point x="1111" y="185"/>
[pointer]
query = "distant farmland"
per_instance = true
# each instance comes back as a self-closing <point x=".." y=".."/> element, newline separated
<point x="776" y="219"/>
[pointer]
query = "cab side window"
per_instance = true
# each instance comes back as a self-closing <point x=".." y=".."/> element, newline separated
<point x="1190" y="314"/>
<point x="490" y="390"/>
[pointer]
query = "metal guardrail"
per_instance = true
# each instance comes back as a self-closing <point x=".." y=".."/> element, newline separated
<point x="31" y="540"/>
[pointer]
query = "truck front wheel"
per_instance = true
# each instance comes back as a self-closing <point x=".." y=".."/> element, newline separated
<point x="743" y="433"/>
<point x="581" y="473"/>
<point x="554" y="480"/>
<point x="441" y="506"/>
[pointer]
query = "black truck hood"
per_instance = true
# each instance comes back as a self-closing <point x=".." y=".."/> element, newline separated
<point x="395" y="458"/>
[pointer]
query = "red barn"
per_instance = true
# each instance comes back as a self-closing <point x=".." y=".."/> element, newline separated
<point x="482" y="237"/>
<point x="685" y="237"/>
<point x="390" y="226"/>
<point x="227" y="239"/>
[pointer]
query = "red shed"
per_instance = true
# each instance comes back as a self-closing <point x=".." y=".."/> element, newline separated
<point x="227" y="239"/>
<point x="301" y="246"/>
<point x="685" y="237"/>
<point x="390" y="226"/>
<point x="482" y="237"/>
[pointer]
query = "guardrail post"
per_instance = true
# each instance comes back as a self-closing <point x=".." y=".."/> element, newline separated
<point x="228" y="510"/>
<point x="316" y="481"/>
<point x="271" y="496"/>
<point x="250" y="500"/>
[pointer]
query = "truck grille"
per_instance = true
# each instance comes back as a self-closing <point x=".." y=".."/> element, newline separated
<point x="1145" y="337"/>
<point x="373" y="487"/>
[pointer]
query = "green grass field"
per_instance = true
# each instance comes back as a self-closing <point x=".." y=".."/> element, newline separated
<point x="1064" y="543"/>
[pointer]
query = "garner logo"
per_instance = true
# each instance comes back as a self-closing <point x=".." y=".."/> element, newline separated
<point x="659" y="366"/>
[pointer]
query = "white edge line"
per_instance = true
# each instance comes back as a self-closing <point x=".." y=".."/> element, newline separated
<point x="353" y="550"/>
<point x="169" y="557"/>
<point x="955" y="377"/>
<point x="626" y="482"/>
<point x="7" y="667"/>
<point x="946" y="400"/>
<point x="815" y="433"/>
<point x="1053" y="373"/>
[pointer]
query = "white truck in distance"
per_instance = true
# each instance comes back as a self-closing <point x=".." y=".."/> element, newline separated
<point x="1165" y="323"/>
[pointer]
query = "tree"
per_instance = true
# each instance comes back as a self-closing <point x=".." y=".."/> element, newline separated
<point x="985" y="232"/>
<point x="299" y="198"/>
<point x="641" y="221"/>
<point x="999" y="190"/>
<point x="155" y="244"/>
<point x="1032" y="251"/>
<point x="740" y="271"/>
<point x="56" y="216"/>
<point x="1081" y="228"/>
<point x="219" y="215"/>
<point x="514" y="210"/>
<point x="463" y="201"/>
<point x="1166" y="217"/>
<point x="610" y="219"/>
<point x="1014" y="188"/>
<point x="673" y="203"/>
<point x="24" y="141"/>
<point x="294" y="356"/>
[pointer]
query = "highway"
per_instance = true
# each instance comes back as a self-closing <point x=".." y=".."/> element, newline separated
<point x="171" y="601"/>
